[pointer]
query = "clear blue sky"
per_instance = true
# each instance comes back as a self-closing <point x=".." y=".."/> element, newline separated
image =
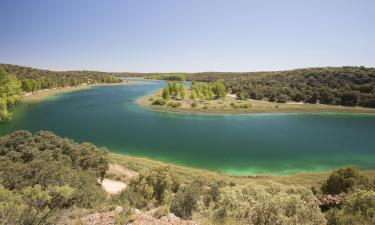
<point x="187" y="35"/>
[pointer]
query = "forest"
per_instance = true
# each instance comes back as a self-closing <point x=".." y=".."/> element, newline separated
<point x="16" y="80"/>
<point x="347" y="86"/>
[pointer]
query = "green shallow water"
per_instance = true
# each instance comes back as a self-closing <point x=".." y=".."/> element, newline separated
<point x="235" y="144"/>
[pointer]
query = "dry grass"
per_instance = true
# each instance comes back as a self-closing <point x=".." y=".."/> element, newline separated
<point x="187" y="174"/>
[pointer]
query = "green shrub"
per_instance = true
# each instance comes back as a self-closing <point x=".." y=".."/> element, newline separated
<point x="241" y="106"/>
<point x="159" y="102"/>
<point x="194" y="104"/>
<point x="360" y="203"/>
<point x="358" y="208"/>
<point x="344" y="180"/>
<point x="152" y="187"/>
<point x="174" y="104"/>
<point x="184" y="202"/>
<point x="34" y="205"/>
<point x="257" y="204"/>
<point x="23" y="158"/>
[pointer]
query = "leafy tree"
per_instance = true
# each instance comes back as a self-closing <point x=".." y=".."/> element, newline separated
<point x="219" y="89"/>
<point x="10" y="94"/>
<point x="166" y="95"/>
<point x="349" y="99"/>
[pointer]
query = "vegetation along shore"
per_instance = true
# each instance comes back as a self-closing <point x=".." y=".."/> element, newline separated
<point x="203" y="98"/>
<point x="68" y="190"/>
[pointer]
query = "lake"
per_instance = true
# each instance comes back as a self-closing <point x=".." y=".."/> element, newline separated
<point x="234" y="144"/>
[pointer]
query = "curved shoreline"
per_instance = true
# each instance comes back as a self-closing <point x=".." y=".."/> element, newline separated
<point x="285" y="108"/>
<point x="46" y="93"/>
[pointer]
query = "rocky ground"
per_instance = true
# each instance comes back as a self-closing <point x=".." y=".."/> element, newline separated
<point x="137" y="218"/>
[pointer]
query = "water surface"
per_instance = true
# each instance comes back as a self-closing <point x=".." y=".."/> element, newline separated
<point x="235" y="144"/>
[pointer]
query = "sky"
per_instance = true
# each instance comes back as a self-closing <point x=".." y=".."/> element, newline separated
<point x="187" y="35"/>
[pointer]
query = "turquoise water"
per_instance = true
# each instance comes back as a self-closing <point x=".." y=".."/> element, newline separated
<point x="235" y="144"/>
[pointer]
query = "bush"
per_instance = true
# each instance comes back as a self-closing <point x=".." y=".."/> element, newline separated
<point x="360" y="203"/>
<point x="159" y="102"/>
<point x="184" y="202"/>
<point x="152" y="187"/>
<point x="358" y="208"/>
<point x="23" y="164"/>
<point x="174" y="104"/>
<point x="257" y="204"/>
<point x="344" y="180"/>
<point x="194" y="104"/>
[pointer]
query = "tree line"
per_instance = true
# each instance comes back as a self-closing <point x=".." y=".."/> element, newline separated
<point x="347" y="86"/>
<point x="17" y="79"/>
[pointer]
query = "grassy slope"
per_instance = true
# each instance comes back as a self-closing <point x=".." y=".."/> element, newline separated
<point x="187" y="174"/>
<point x="224" y="106"/>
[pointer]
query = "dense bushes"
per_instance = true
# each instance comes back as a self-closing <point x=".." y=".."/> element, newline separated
<point x="42" y="173"/>
<point x="349" y="86"/>
<point x="344" y="180"/>
<point x="257" y="204"/>
<point x="151" y="188"/>
<point x="166" y="76"/>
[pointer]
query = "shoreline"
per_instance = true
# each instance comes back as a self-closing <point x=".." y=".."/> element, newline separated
<point x="139" y="163"/>
<point x="257" y="107"/>
<point x="45" y="93"/>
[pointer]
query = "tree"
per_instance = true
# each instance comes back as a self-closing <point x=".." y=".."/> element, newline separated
<point x="166" y="95"/>
<point x="193" y="95"/>
<point x="349" y="99"/>
<point x="10" y="94"/>
<point x="282" y="98"/>
<point x="219" y="89"/>
<point x="182" y="91"/>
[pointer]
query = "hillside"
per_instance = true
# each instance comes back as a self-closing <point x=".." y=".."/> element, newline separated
<point x="66" y="190"/>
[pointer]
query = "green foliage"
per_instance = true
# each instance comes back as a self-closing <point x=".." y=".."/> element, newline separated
<point x="344" y="180"/>
<point x="185" y="201"/>
<point x="33" y="205"/>
<point x="10" y="94"/>
<point x="361" y="203"/>
<point x="174" y="104"/>
<point x="349" y="86"/>
<point x="256" y="204"/>
<point x="241" y="106"/>
<point x="194" y="104"/>
<point x="166" y="76"/>
<point x="166" y="94"/>
<point x="159" y="102"/>
<point x="35" y="79"/>
<point x="219" y="89"/>
<point x="152" y="187"/>
<point x="358" y="208"/>
<point x="176" y="89"/>
<point x="23" y="165"/>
